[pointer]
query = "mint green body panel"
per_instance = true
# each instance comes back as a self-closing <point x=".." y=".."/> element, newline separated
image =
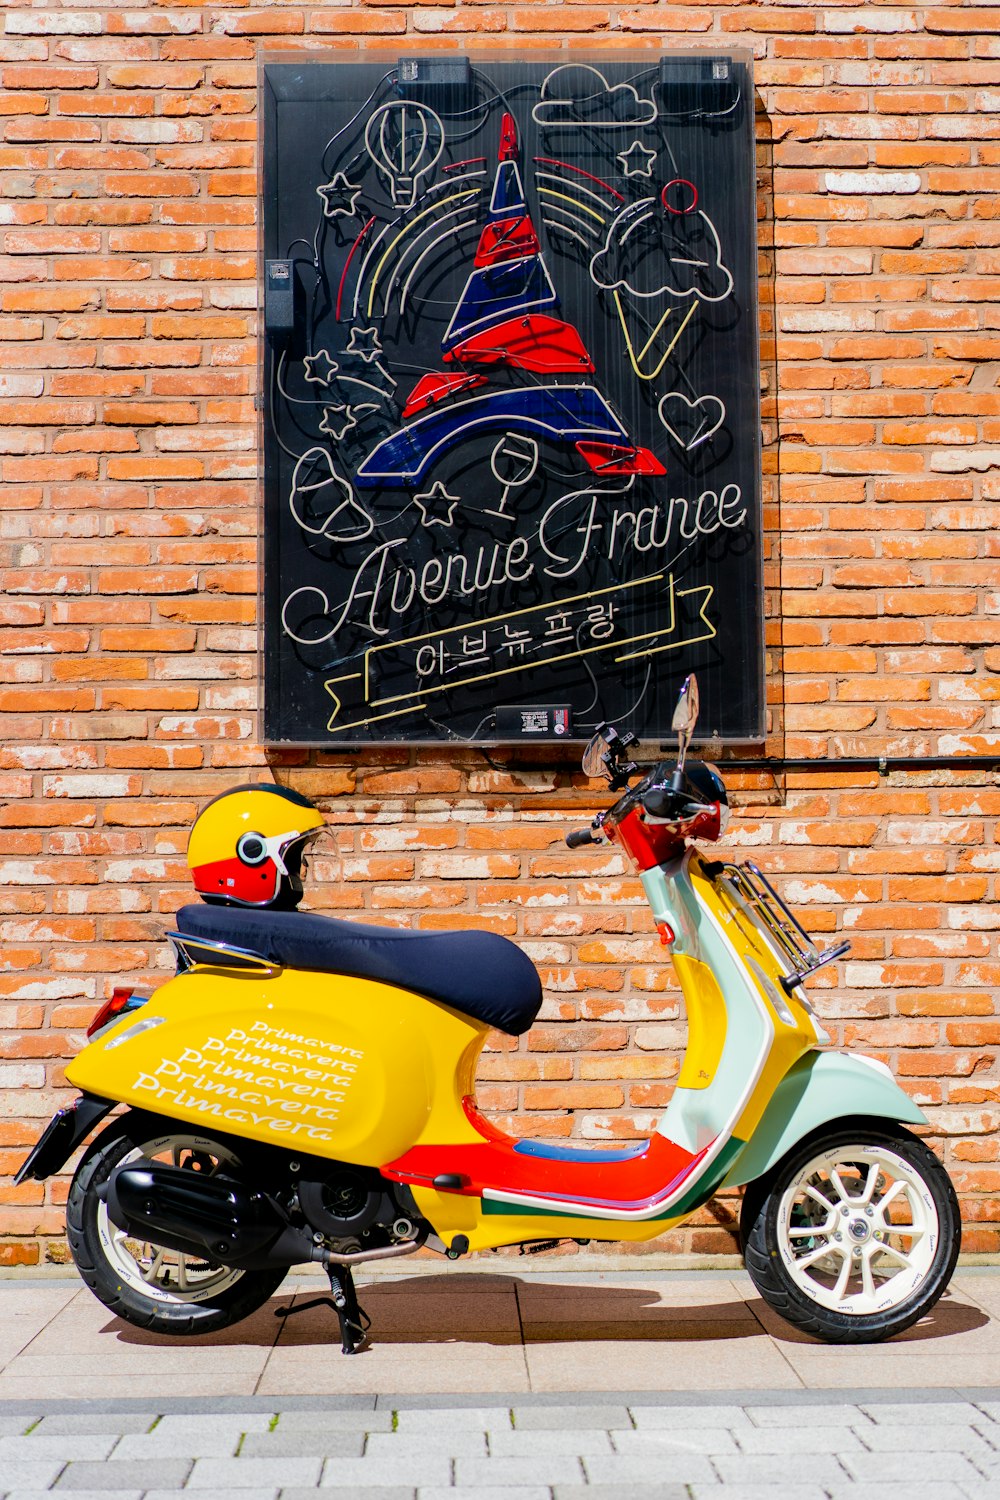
<point x="822" y="1088"/>
<point x="696" y="1117"/>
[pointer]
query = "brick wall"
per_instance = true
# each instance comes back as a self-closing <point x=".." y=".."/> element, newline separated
<point x="127" y="459"/>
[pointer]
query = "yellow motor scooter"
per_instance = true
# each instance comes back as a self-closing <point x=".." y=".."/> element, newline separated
<point x="303" y="1091"/>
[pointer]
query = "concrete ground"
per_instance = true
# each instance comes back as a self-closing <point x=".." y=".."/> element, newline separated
<point x="523" y="1383"/>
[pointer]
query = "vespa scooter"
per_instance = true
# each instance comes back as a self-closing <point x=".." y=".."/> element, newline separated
<point x="303" y="1091"/>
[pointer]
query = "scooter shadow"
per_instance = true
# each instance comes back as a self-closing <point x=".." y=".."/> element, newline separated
<point x="501" y="1310"/>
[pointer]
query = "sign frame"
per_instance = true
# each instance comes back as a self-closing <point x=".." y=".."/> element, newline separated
<point x="380" y="668"/>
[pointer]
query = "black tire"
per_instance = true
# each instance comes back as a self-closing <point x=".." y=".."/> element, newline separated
<point x="218" y="1295"/>
<point x="842" y="1302"/>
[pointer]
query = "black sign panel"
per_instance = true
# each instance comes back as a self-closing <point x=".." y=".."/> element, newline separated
<point x="511" y="436"/>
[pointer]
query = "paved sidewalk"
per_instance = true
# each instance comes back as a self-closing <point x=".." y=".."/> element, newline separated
<point x="530" y="1385"/>
<point x="612" y="1447"/>
<point x="507" y="1331"/>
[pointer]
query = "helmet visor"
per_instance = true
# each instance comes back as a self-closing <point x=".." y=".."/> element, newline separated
<point x="256" y="849"/>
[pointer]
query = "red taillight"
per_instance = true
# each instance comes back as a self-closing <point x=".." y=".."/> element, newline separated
<point x="120" y="998"/>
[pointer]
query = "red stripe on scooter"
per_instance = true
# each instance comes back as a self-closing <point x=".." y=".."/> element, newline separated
<point x="493" y="1163"/>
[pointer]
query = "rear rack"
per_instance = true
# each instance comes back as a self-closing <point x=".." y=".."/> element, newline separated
<point x="194" y="950"/>
<point x="752" y="891"/>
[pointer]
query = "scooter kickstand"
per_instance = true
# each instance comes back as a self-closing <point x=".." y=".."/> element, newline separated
<point x="354" y="1321"/>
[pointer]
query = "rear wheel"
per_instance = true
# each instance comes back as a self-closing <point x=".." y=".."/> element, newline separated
<point x="144" y="1283"/>
<point x="855" y="1235"/>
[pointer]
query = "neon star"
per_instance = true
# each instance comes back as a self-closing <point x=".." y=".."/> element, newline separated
<point x="436" y="496"/>
<point x="637" y="161"/>
<point x="337" y="421"/>
<point x="320" y="367"/>
<point x="340" y="197"/>
<point x="365" y="343"/>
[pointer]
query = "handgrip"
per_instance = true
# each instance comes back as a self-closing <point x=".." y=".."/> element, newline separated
<point x="580" y="836"/>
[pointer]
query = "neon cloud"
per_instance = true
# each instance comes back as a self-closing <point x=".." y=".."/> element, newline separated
<point x="575" y="95"/>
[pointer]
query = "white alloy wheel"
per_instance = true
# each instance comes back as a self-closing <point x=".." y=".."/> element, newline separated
<point x="160" y="1274"/>
<point x="857" y="1229"/>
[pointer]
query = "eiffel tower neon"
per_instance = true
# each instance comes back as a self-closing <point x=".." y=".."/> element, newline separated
<point x="505" y="319"/>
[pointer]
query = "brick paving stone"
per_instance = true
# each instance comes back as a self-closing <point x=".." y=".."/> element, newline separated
<point x="801" y="1439"/>
<point x="400" y="1445"/>
<point x="990" y="1409"/>
<point x="528" y="1418"/>
<point x="82" y="1495"/>
<point x="914" y="1489"/>
<point x="370" y="1492"/>
<point x="771" y="1468"/>
<point x="210" y="1424"/>
<point x="788" y="1491"/>
<point x="221" y="1494"/>
<point x="675" y="1468"/>
<point x="334" y="1420"/>
<point x="95" y="1422"/>
<point x="684" y="1418"/>
<point x="617" y="1492"/>
<point x="363" y="1473"/>
<point x="899" y="1467"/>
<point x="61" y="1447"/>
<point x="929" y="1439"/>
<point x="502" y="1473"/>
<point x="150" y="1447"/>
<point x="485" y="1492"/>
<point x="26" y="1474"/>
<point x="834" y="1415"/>
<point x="919" y="1413"/>
<point x="708" y="1440"/>
<point x="452" y="1419"/>
<point x="15" y="1426"/>
<point x="527" y="1444"/>
<point x="169" y="1474"/>
<point x="281" y="1444"/>
<point x="253" y="1473"/>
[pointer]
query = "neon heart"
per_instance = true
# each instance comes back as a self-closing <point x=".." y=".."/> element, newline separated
<point x="704" y="418"/>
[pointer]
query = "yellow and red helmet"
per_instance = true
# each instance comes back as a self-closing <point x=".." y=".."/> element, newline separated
<point x="246" y="846"/>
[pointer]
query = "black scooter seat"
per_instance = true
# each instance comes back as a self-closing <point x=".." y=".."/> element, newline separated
<point x="479" y="973"/>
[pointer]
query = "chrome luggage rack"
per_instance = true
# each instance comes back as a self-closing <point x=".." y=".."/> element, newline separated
<point x="194" y="950"/>
<point x="751" y="890"/>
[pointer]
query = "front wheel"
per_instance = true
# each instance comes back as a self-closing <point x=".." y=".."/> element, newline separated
<point x="144" y="1283"/>
<point x="855" y="1234"/>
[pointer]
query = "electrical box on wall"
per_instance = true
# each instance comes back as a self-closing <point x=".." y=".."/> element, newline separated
<point x="511" y="439"/>
<point x="279" y="298"/>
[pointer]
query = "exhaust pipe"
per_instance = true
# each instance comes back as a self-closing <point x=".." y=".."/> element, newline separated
<point x="216" y="1218"/>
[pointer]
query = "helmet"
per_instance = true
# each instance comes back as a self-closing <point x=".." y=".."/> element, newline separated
<point x="246" y="846"/>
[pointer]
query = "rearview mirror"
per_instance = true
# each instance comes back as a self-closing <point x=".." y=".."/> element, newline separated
<point x="592" y="762"/>
<point x="685" y="717"/>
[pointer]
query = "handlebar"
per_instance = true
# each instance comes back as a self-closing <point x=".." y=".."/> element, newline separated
<point x="581" y="836"/>
<point x="658" y="798"/>
<point x="665" y="802"/>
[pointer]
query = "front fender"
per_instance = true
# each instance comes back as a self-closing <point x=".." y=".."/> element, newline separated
<point x="821" y="1088"/>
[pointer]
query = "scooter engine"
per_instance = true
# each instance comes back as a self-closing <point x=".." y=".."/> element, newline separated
<point x="350" y="1203"/>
